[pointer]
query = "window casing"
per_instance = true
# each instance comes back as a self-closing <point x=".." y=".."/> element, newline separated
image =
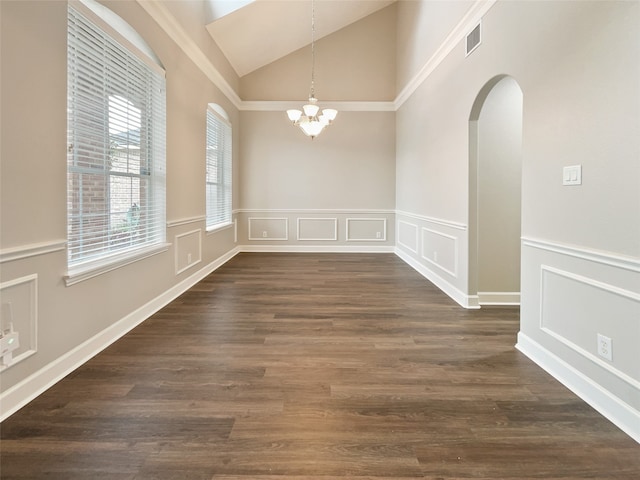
<point x="116" y="146"/>
<point x="219" y="170"/>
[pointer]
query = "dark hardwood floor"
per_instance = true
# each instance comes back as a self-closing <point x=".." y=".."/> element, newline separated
<point x="315" y="367"/>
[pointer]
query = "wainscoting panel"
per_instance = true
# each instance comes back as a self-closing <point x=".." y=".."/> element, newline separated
<point x="366" y="229"/>
<point x="437" y="249"/>
<point x="441" y="250"/>
<point x="315" y="230"/>
<point x="19" y="313"/>
<point x="569" y="296"/>
<point x="408" y="236"/>
<point x="321" y="229"/>
<point x="188" y="248"/>
<point x="265" y="229"/>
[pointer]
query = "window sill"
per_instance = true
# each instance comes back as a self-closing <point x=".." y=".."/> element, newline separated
<point x="93" y="269"/>
<point x="219" y="227"/>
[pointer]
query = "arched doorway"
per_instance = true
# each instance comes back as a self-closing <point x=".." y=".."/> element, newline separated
<point x="495" y="186"/>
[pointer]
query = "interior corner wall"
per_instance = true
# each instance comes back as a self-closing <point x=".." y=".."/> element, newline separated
<point x="577" y="65"/>
<point x="73" y="323"/>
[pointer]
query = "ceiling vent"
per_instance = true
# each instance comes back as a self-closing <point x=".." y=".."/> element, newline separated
<point x="473" y="40"/>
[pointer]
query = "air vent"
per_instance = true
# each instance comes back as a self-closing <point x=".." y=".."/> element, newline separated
<point x="473" y="40"/>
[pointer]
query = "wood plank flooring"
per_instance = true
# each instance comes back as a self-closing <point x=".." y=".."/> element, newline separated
<point x="314" y="367"/>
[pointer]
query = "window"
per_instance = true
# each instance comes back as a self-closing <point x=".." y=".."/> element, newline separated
<point x="218" y="178"/>
<point x="116" y="146"/>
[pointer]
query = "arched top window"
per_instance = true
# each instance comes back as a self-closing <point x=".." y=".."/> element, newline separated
<point x="116" y="143"/>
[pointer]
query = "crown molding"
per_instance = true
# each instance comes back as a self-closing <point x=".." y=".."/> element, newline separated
<point x="459" y="32"/>
<point x="280" y="106"/>
<point x="172" y="27"/>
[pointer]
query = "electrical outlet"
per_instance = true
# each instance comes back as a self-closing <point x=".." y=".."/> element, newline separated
<point x="188" y="258"/>
<point x="435" y="256"/>
<point x="378" y="235"/>
<point x="264" y="234"/>
<point x="605" y="347"/>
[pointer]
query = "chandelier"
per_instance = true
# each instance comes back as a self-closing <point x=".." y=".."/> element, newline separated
<point x="308" y="119"/>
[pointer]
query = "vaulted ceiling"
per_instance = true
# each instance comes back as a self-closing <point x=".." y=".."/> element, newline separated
<point x="254" y="33"/>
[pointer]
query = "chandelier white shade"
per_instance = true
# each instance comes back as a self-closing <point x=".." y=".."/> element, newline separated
<point x="308" y="119"/>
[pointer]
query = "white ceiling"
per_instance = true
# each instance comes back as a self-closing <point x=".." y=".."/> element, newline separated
<point x="255" y="33"/>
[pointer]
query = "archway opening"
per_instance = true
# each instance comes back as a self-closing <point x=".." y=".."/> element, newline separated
<point x="495" y="190"/>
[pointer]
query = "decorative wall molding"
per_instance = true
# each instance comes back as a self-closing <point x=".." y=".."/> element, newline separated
<point x="585" y="253"/>
<point x="22" y="393"/>
<point x="458" y="296"/>
<point x="27" y="330"/>
<point x="401" y="238"/>
<point x="176" y="32"/>
<point x="613" y="408"/>
<point x="459" y="33"/>
<point x="172" y="27"/>
<point x="547" y="327"/>
<point x="262" y="225"/>
<point x="31" y="250"/>
<point x="332" y="232"/>
<point x="435" y="261"/>
<point x="380" y="230"/>
<point x="186" y="221"/>
<point x="184" y="256"/>
<point x="311" y="211"/>
<point x="283" y="106"/>
<point x="437" y="221"/>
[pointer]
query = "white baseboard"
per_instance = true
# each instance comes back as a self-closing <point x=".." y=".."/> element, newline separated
<point x="625" y="417"/>
<point x="499" y="298"/>
<point x="461" y="298"/>
<point x="22" y="393"/>
<point x="318" y="248"/>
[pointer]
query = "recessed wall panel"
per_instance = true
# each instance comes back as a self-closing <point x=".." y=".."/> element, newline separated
<point x="441" y="250"/>
<point x="318" y="229"/>
<point x="268" y="228"/>
<point x="366" y="229"/>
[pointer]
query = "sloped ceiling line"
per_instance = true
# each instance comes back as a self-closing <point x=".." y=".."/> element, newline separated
<point x="175" y="31"/>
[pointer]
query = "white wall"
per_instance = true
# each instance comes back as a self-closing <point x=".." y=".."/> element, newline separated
<point x="577" y="65"/>
<point x="74" y="322"/>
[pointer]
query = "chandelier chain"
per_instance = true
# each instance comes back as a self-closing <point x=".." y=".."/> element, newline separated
<point x="313" y="48"/>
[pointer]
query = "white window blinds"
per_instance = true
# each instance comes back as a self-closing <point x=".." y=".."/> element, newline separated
<point x="116" y="146"/>
<point x="219" y="170"/>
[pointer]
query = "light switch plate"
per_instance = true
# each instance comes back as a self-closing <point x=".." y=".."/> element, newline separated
<point x="572" y="175"/>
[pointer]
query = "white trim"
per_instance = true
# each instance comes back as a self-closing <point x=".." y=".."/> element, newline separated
<point x="469" y="21"/>
<point x="283" y="106"/>
<point x="458" y="296"/>
<point x="335" y="230"/>
<point x="611" y="407"/>
<point x="633" y="296"/>
<point x="185" y="221"/>
<point x="318" y="248"/>
<point x="177" y="249"/>
<point x="32" y="282"/>
<point x="344" y="211"/>
<point x="22" y="393"/>
<point x="399" y="238"/>
<point x="584" y="253"/>
<point x="268" y="239"/>
<point x="220" y="227"/>
<point x="499" y="298"/>
<point x="82" y="273"/>
<point x="32" y="250"/>
<point x="172" y="27"/>
<point x="367" y="219"/>
<point x="453" y="273"/>
<point x="437" y="221"/>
